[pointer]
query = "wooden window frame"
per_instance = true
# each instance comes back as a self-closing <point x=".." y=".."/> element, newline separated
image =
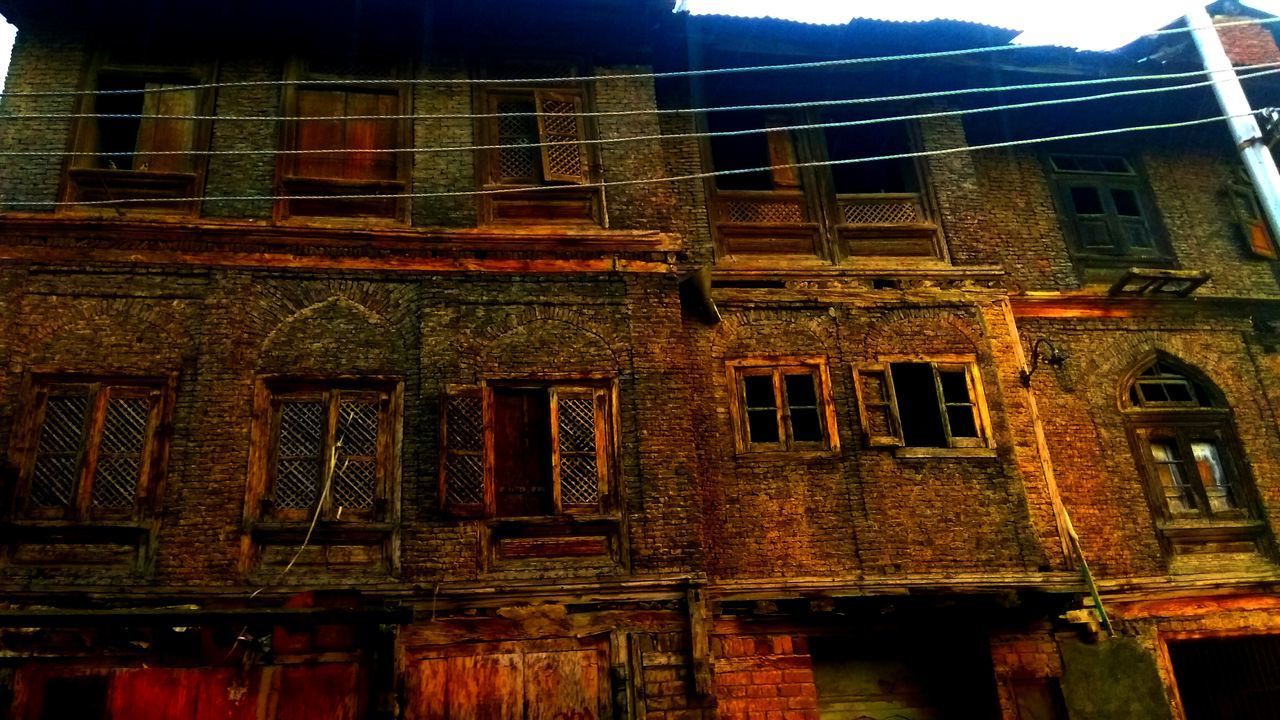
<point x="289" y="182"/>
<point x="1181" y="424"/>
<point x="1251" y="221"/>
<point x="549" y="200"/>
<point x="604" y="393"/>
<point x="982" y="445"/>
<point x="83" y="181"/>
<point x="778" y="367"/>
<point x="98" y="389"/>
<point x="269" y="522"/>
<point x="1133" y="180"/>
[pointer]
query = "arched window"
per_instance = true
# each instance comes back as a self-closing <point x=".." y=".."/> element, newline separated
<point x="1186" y="443"/>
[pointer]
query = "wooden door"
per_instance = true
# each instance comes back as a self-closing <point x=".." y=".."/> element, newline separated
<point x="513" y="685"/>
<point x="522" y="452"/>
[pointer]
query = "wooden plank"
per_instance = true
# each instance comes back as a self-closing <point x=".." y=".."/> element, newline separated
<point x="155" y="693"/>
<point x="564" y="686"/>
<point x="474" y="687"/>
<point x="329" y="691"/>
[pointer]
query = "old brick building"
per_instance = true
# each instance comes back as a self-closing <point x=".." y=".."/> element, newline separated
<point x="409" y="359"/>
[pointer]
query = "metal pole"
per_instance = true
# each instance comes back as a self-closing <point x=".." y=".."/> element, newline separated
<point x="1244" y="127"/>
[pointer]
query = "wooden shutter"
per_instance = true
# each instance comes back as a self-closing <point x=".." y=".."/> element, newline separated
<point x="466" y="688"/>
<point x="1252" y="224"/>
<point x="320" y="134"/>
<point x="365" y="134"/>
<point x="155" y="693"/>
<point x="559" y="122"/>
<point x="324" y="691"/>
<point x="782" y="156"/>
<point x="877" y="406"/>
<point x="463" y="490"/>
<point x="564" y="685"/>
<point x="579" y="461"/>
<point x="156" y="135"/>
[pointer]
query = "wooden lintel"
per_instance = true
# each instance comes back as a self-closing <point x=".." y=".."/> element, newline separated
<point x="336" y="233"/>
<point x="399" y="263"/>
<point x="1187" y="607"/>
<point x="1098" y="306"/>
<point x="699" y="640"/>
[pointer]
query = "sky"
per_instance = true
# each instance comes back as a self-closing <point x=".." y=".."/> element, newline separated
<point x="1074" y="23"/>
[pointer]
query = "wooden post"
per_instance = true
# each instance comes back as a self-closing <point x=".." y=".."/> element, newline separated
<point x="699" y="639"/>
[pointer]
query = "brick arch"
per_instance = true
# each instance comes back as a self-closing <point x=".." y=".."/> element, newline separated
<point x="1103" y="374"/>
<point x="547" y="343"/>
<point x="1198" y="377"/>
<point x="933" y="332"/>
<point x="112" y="318"/>
<point x="747" y="331"/>
<point x="335" y="334"/>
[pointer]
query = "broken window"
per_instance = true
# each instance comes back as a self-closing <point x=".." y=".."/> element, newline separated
<point x="330" y="453"/>
<point x="544" y="450"/>
<point x="1250" y="220"/>
<point x="1185" y="439"/>
<point x="537" y="139"/>
<point x="1108" y="207"/>
<point x="540" y="134"/>
<point x="96" y="453"/>
<point x="348" y="141"/>
<point x="141" y="136"/>
<point x="927" y="404"/>
<point x="782" y="405"/>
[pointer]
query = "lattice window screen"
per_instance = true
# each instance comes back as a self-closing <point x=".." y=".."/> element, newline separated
<point x="355" y="475"/>
<point x="58" y="453"/>
<point x="517" y="126"/>
<point x="464" y="451"/>
<point x="559" y="125"/>
<point x="880" y="212"/>
<point x="764" y="211"/>
<point x="297" y="481"/>
<point x="115" y="479"/>
<point x="576" y="431"/>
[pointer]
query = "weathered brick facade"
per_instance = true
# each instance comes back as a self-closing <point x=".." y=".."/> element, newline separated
<point x="716" y="575"/>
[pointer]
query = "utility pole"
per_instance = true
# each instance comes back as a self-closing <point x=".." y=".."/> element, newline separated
<point x="1244" y="126"/>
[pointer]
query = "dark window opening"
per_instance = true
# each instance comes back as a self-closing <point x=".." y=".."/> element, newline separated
<point x="75" y="698"/>
<point x="1107" y="205"/>
<point x="762" y="409"/>
<point x="871" y="140"/>
<point x="780" y="407"/>
<point x="918" y="405"/>
<point x="1228" y="678"/>
<point x="743" y="152"/>
<point x="1086" y="201"/>
<point x="802" y="402"/>
<point x="906" y="674"/>
<point x="522" y="451"/>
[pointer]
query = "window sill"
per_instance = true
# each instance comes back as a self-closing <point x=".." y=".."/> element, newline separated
<point x="788" y="455"/>
<point x="67" y="531"/>
<point x="326" y="532"/>
<point x="1210" y="530"/>
<point x="917" y="453"/>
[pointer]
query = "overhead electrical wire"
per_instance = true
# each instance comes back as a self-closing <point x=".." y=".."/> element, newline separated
<point x="647" y="111"/>
<point x="640" y="138"/>
<point x="598" y="78"/>
<point x="647" y="181"/>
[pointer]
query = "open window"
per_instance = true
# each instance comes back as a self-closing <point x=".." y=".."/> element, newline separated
<point x="348" y="139"/>
<point x="537" y="137"/>
<point x="514" y="450"/>
<point x="537" y="461"/>
<point x="325" y="465"/>
<point x="142" y="136"/>
<point x="1186" y="447"/>
<point x="1251" y="223"/>
<point x="762" y="212"/>
<point x="782" y="405"/>
<point x="881" y="207"/>
<point x="1109" y="215"/>
<point x="928" y="403"/>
